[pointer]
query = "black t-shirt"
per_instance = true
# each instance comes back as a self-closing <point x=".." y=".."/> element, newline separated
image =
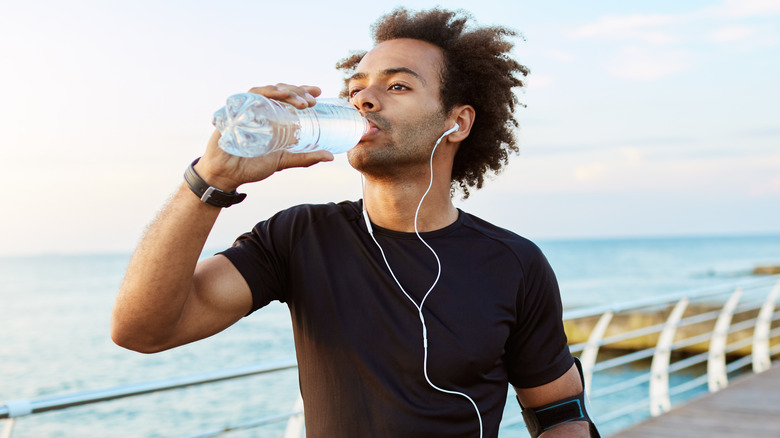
<point x="493" y="317"/>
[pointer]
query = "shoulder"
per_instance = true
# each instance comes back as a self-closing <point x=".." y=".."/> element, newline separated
<point x="264" y="255"/>
<point x="282" y="231"/>
<point x="537" y="276"/>
<point x="523" y="249"/>
<point x="318" y="211"/>
<point x="299" y="218"/>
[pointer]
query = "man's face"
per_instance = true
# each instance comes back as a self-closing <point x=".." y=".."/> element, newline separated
<point x="396" y="86"/>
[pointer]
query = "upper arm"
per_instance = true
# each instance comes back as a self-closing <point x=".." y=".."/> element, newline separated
<point x="219" y="297"/>
<point x="567" y="385"/>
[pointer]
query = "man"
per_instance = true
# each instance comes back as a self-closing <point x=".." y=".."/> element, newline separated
<point x="410" y="317"/>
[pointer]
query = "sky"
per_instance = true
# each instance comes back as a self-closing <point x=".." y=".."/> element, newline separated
<point x="642" y="119"/>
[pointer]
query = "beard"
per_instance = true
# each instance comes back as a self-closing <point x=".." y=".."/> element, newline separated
<point x="405" y="150"/>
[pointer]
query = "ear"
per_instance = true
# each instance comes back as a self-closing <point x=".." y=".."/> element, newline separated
<point x="464" y="116"/>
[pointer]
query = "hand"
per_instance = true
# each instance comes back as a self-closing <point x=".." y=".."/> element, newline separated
<point x="227" y="172"/>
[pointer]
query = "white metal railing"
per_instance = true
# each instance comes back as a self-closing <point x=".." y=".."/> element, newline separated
<point x="690" y="320"/>
<point x="704" y="318"/>
<point x="18" y="408"/>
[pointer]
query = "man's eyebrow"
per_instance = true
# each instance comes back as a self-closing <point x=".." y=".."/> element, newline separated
<point x="389" y="72"/>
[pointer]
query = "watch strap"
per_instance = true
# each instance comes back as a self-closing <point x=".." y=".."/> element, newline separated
<point x="208" y="194"/>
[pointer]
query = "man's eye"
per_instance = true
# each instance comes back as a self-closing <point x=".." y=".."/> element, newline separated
<point x="398" y="87"/>
<point x="352" y="93"/>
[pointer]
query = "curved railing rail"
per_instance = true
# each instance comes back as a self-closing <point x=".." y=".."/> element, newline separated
<point x="726" y="328"/>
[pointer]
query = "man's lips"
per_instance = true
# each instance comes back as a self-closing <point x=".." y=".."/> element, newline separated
<point x="373" y="128"/>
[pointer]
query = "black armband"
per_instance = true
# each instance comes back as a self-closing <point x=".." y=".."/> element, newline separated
<point x="542" y="418"/>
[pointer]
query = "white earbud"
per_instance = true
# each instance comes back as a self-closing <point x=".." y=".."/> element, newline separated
<point x="451" y="130"/>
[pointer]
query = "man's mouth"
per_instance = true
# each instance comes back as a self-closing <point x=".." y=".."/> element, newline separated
<point x="374" y="125"/>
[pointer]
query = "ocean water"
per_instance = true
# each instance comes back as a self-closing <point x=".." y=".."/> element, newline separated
<point x="54" y="318"/>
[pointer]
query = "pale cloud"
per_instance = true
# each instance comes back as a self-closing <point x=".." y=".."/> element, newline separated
<point x="645" y="34"/>
<point x="732" y="33"/>
<point x="591" y="172"/>
<point x="633" y="155"/>
<point x="632" y="169"/>
<point x="648" y="57"/>
<point x="558" y="55"/>
<point x="629" y="27"/>
<point x="643" y="64"/>
<point x="770" y="186"/>
<point x="746" y="8"/>
<point x="753" y="176"/>
<point x="626" y="169"/>
<point x="614" y="164"/>
<point x="745" y="37"/>
<point x="664" y="28"/>
<point x="537" y="81"/>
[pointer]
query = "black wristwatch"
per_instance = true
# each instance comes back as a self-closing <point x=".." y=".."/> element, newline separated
<point x="208" y="194"/>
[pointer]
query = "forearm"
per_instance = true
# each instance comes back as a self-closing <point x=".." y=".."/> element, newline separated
<point x="163" y="302"/>
<point x="159" y="278"/>
<point x="575" y="429"/>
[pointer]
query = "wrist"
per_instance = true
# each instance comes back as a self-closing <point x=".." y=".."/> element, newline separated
<point x="208" y="193"/>
<point x="214" y="179"/>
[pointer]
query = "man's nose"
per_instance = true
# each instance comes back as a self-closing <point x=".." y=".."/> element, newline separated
<point x="366" y="100"/>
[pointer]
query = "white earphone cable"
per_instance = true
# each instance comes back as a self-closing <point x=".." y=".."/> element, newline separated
<point x="436" y="280"/>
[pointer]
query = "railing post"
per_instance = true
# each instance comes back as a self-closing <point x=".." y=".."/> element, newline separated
<point x="591" y="350"/>
<point x="761" y="358"/>
<point x="8" y="427"/>
<point x="717" y="378"/>
<point x="295" y="423"/>
<point x="659" y="369"/>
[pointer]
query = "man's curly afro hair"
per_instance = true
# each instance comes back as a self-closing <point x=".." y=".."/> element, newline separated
<point x="477" y="71"/>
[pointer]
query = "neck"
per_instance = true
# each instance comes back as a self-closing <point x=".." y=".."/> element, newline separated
<point x="393" y="204"/>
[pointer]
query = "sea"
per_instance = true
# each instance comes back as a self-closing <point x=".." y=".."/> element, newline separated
<point x="54" y="334"/>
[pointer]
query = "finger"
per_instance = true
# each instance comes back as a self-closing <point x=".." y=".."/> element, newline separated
<point x="271" y="91"/>
<point x="304" y="159"/>
<point x="299" y="94"/>
<point x="296" y="96"/>
<point x="311" y="89"/>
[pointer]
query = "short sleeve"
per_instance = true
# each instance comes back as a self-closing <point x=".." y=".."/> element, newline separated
<point x="537" y="351"/>
<point x="261" y="257"/>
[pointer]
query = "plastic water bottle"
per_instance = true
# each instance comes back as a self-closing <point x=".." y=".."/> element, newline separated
<point x="253" y="125"/>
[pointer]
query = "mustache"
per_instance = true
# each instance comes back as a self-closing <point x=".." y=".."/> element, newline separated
<point x="381" y="122"/>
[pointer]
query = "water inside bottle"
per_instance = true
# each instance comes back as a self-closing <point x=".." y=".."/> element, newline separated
<point x="332" y="124"/>
<point x="252" y="125"/>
